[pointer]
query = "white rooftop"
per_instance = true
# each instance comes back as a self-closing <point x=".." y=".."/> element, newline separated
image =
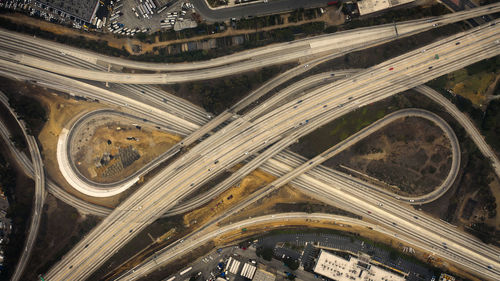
<point x="233" y="265"/>
<point x="337" y="268"/>
<point x="248" y="271"/>
<point x="372" y="6"/>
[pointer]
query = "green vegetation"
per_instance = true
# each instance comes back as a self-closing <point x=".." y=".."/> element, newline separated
<point x="470" y="82"/>
<point x="265" y="252"/>
<point x="339" y="129"/>
<point x="259" y="22"/>
<point x="217" y="95"/>
<point x="19" y="141"/>
<point x="491" y="124"/>
<point x="19" y="211"/>
<point x="216" y="3"/>
<point x="293" y="264"/>
<point x="29" y="110"/>
<point x="397" y="15"/>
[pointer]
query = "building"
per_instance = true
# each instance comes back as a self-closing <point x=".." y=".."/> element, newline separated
<point x="352" y="269"/>
<point x="446" y="277"/>
<point x="262" y="275"/>
<point x="371" y="6"/>
<point x="233" y="265"/>
<point x="83" y="10"/>
<point x="248" y="271"/>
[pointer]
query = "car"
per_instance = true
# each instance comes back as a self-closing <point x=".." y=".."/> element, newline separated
<point x="369" y="212"/>
<point x="392" y="68"/>
<point x="381" y="204"/>
<point x="430" y="67"/>
<point x="412" y="200"/>
<point x="415" y="217"/>
<point x="458" y="43"/>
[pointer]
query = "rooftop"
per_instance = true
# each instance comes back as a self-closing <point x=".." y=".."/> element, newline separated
<point x="337" y="268"/>
<point x="372" y="6"/>
<point x="262" y="275"/>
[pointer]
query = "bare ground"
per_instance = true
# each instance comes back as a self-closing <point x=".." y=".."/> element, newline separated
<point x="60" y="111"/>
<point x="149" y="143"/>
<point x="411" y="155"/>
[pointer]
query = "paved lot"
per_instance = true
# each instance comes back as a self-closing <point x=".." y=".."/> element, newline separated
<point x="341" y="243"/>
<point x="151" y="22"/>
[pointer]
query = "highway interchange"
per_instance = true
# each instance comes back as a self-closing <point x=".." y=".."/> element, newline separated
<point x="249" y="133"/>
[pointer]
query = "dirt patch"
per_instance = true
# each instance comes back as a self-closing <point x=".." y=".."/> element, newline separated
<point x="116" y="149"/>
<point x="285" y="199"/>
<point x="118" y="43"/>
<point x="229" y="198"/>
<point x="412" y="154"/>
<point x="61" y="109"/>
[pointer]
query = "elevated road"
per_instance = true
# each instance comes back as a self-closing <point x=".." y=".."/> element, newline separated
<point x="39" y="195"/>
<point x="469" y="127"/>
<point x="220" y="151"/>
<point x="54" y="189"/>
<point x="228" y="65"/>
<point x="204" y="237"/>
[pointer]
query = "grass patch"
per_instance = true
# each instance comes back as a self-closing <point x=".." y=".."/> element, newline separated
<point x="470" y="82"/>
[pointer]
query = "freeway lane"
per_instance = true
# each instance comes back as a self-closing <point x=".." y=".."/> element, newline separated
<point x="455" y="108"/>
<point x="466" y="123"/>
<point x="26" y="164"/>
<point x="39" y="195"/>
<point x="300" y="166"/>
<point x="192" y="170"/>
<point x="201" y="238"/>
<point x="236" y="63"/>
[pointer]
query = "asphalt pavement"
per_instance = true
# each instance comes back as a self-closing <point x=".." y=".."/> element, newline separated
<point x="256" y="9"/>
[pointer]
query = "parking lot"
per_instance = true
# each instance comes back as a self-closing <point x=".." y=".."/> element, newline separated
<point x="131" y="16"/>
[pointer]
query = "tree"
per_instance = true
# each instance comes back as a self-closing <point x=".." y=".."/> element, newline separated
<point x="293" y="264"/>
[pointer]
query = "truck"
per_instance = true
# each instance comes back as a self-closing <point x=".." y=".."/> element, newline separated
<point x="186" y="270"/>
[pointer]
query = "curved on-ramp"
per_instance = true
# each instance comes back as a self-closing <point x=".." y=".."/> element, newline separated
<point x="74" y="178"/>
